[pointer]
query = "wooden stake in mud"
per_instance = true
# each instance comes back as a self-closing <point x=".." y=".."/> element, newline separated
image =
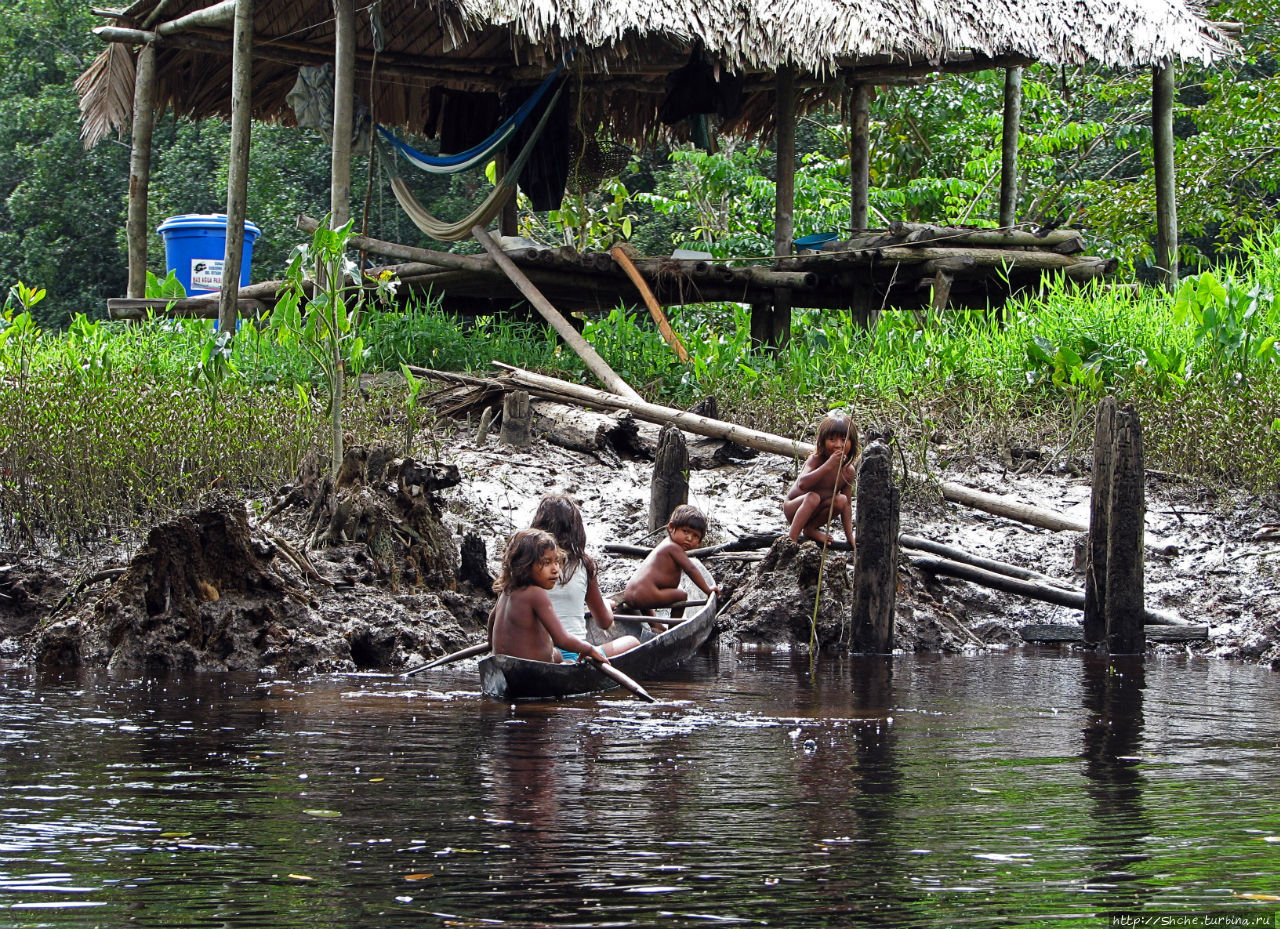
<point x="875" y="563"/>
<point x="1123" y="606"/>
<point x="515" y="419"/>
<point x="670" y="486"/>
<point x="1095" y="583"/>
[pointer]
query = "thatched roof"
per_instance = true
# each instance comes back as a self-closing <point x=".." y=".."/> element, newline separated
<point x="624" y="49"/>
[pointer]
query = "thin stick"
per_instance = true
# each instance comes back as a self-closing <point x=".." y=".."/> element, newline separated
<point x="610" y="671"/>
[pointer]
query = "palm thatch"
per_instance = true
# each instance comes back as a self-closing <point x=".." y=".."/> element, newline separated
<point x="106" y="95"/>
<point x="623" y="50"/>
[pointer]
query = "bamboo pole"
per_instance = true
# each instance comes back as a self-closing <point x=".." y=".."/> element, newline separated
<point x="344" y="88"/>
<point x="581" y="346"/>
<point x="237" y="163"/>
<point x="1162" y="94"/>
<point x="860" y="156"/>
<point x="624" y="261"/>
<point x="144" y="115"/>
<point x="1009" y="147"/>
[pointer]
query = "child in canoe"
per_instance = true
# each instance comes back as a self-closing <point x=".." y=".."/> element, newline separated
<point x="827" y="472"/>
<point x="578" y="588"/>
<point x="656" y="582"/>
<point x="523" y="623"/>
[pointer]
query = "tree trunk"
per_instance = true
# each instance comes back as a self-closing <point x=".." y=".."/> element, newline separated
<point x="875" y="566"/>
<point x="670" y="486"/>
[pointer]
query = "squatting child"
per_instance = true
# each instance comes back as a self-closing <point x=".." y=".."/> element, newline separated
<point x="828" y="472"/>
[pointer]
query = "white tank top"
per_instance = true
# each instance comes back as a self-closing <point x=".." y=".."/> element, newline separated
<point x="569" y="598"/>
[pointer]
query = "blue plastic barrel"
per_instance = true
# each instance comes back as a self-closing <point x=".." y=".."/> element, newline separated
<point x="195" y="245"/>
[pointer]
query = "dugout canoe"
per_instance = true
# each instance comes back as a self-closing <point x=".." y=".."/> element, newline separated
<point x="508" y="678"/>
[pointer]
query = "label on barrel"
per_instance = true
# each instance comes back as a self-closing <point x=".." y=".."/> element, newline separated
<point x="206" y="273"/>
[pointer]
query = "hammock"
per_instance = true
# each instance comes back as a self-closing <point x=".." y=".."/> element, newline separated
<point x="481" y="151"/>
<point x="490" y="207"/>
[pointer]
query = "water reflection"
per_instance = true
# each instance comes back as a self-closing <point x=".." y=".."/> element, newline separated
<point x="1111" y="744"/>
<point x="909" y="791"/>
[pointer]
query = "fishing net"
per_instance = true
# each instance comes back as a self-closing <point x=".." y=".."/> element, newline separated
<point x="592" y="161"/>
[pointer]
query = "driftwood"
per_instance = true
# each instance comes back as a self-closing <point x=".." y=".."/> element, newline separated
<point x="1063" y="596"/>
<point x="1054" y="633"/>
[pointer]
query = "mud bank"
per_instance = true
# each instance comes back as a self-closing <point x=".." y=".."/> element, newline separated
<point x="219" y="590"/>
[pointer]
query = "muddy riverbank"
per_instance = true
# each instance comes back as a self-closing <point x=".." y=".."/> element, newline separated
<point x="224" y="589"/>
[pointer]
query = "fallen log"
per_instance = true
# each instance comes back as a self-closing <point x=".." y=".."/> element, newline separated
<point x="1062" y="596"/>
<point x="987" y="564"/>
<point x="767" y="442"/>
<point x="1054" y="633"/>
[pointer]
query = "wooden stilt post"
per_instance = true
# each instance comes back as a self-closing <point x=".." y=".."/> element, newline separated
<point x="875" y="565"/>
<point x="859" y="156"/>
<point x="144" y="117"/>
<point x="1009" y="147"/>
<point x="1162" y="94"/>
<point x="515" y="419"/>
<point x="238" y="163"/>
<point x="779" y="327"/>
<point x="344" y="88"/>
<point x="670" y="486"/>
<point x="1095" y="582"/>
<point x="508" y="219"/>
<point x="1123" y="605"/>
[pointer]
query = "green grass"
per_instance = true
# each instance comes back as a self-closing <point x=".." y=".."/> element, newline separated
<point x="107" y="426"/>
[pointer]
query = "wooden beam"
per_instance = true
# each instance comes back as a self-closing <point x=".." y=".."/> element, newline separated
<point x="238" y="163"/>
<point x="1162" y="98"/>
<point x="1009" y="147"/>
<point x="859" y="155"/>
<point x="144" y="114"/>
<point x="220" y="14"/>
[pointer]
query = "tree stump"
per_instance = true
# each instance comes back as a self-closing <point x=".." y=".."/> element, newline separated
<point x="670" y="487"/>
<point x="515" y="419"/>
<point x="1123" y="603"/>
<point x="1095" y="584"/>
<point x="875" y="566"/>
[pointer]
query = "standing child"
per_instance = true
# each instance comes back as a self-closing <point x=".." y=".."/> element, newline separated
<point x="578" y="588"/>
<point x="656" y="582"/>
<point x="522" y="622"/>
<point x="827" y="472"/>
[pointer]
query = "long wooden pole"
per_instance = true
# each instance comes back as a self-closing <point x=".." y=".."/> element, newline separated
<point x="238" y="162"/>
<point x="628" y="267"/>
<point x="1162" y="94"/>
<point x="1009" y="147"/>
<point x="572" y="337"/>
<point x="344" y="88"/>
<point x="785" y="200"/>
<point x="144" y="115"/>
<point x="220" y="14"/>
<point x="860" y="156"/>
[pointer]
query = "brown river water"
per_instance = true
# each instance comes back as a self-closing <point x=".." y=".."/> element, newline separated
<point x="1029" y="788"/>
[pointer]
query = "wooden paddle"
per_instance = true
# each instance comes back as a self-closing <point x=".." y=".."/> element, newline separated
<point x="622" y="679"/>
<point x="468" y="652"/>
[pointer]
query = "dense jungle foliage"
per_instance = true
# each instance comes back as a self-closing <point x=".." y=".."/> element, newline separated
<point x="105" y="426"/>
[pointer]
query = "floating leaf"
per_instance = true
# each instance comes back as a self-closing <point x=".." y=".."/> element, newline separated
<point x="376" y="780"/>
<point x="175" y="835"/>
<point x="1269" y="898"/>
<point x="323" y="814"/>
<point x="419" y="876"/>
<point x="301" y="877"/>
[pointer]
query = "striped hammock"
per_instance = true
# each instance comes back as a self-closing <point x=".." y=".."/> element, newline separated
<point x="489" y="208"/>
<point x="481" y="151"/>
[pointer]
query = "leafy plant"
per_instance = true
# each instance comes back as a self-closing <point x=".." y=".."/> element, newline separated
<point x="1230" y="319"/>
